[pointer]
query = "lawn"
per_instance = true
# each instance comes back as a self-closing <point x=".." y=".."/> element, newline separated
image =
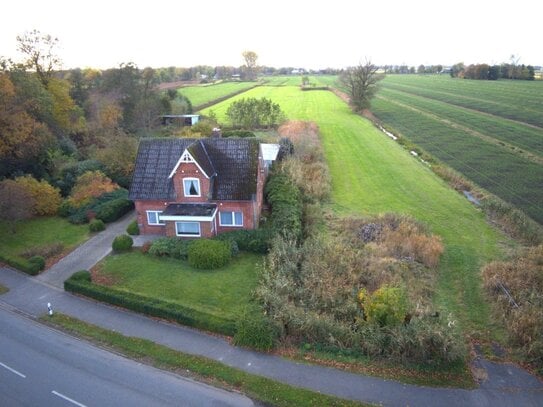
<point x="40" y="232"/>
<point x="199" y="95"/>
<point x="372" y="174"/>
<point x="223" y="292"/>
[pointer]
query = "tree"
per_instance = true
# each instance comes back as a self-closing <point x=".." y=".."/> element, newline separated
<point x="361" y="82"/>
<point x="252" y="113"/>
<point x="250" y="58"/>
<point x="90" y="185"/>
<point x="15" y="203"/>
<point x="46" y="198"/>
<point x="40" y="52"/>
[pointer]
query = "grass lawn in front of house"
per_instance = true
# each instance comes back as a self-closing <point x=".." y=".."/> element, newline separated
<point x="39" y="232"/>
<point x="222" y="292"/>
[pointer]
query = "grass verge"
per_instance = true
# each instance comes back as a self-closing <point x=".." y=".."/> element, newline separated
<point x="259" y="388"/>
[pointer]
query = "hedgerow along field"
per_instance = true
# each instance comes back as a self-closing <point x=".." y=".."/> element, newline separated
<point x="372" y="174"/>
<point x="490" y="131"/>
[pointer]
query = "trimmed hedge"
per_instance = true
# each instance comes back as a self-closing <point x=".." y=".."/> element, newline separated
<point x="286" y="204"/>
<point x="150" y="306"/>
<point x="21" y="264"/>
<point x="171" y="247"/>
<point x="209" y="254"/>
<point x="254" y="241"/>
<point x="112" y="210"/>
<point x="37" y="262"/>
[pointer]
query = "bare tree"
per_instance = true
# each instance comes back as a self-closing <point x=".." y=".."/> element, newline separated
<point x="40" y="52"/>
<point x="361" y="83"/>
<point x="250" y="58"/>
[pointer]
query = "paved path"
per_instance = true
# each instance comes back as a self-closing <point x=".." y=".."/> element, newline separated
<point x="507" y="385"/>
<point x="86" y="255"/>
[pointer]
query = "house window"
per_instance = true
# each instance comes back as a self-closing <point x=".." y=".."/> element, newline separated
<point x="153" y="218"/>
<point x="191" y="186"/>
<point x="187" y="228"/>
<point x="231" y="218"/>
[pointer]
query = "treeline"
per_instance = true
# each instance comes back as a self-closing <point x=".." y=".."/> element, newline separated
<point x="493" y="72"/>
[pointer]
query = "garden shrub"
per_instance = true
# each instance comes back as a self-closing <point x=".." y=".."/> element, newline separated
<point x="112" y="210"/>
<point x="254" y="240"/>
<point x="133" y="228"/>
<point x="38" y="262"/>
<point x="71" y="172"/>
<point x="90" y="184"/>
<point x="386" y="306"/>
<point x="146" y="247"/>
<point x="254" y="330"/>
<point x="209" y="254"/>
<point x="122" y="243"/>
<point x="46" y="251"/>
<point x="163" y="246"/>
<point x="96" y="225"/>
<point x="47" y="198"/>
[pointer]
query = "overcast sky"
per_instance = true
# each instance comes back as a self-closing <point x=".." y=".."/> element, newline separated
<point x="309" y="34"/>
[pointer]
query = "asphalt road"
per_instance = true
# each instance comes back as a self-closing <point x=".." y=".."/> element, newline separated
<point x="43" y="367"/>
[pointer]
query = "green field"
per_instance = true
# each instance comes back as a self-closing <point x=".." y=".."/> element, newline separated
<point x="223" y="292"/>
<point x="202" y="94"/>
<point x="487" y="130"/>
<point x="372" y="174"/>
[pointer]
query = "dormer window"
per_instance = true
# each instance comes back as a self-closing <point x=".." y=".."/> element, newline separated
<point x="191" y="187"/>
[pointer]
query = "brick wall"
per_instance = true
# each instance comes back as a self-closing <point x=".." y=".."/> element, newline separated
<point x="246" y="207"/>
<point x="141" y="216"/>
<point x="190" y="170"/>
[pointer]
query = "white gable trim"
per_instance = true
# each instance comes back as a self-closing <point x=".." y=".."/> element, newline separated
<point x="186" y="157"/>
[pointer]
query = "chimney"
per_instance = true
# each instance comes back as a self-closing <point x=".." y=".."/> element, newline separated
<point x="216" y="133"/>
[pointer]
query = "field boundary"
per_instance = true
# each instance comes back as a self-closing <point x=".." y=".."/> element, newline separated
<point x="223" y="98"/>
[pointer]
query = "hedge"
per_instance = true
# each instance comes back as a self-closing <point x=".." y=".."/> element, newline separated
<point x="112" y="210"/>
<point x="254" y="241"/>
<point x="238" y="133"/>
<point x="286" y="204"/>
<point x="151" y="306"/>
<point x="206" y="254"/>
<point x="21" y="264"/>
<point x="107" y="207"/>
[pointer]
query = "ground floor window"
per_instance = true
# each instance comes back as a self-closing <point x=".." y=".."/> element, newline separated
<point x="153" y="218"/>
<point x="187" y="228"/>
<point x="231" y="218"/>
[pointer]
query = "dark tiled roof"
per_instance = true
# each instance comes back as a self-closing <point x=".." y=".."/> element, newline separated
<point x="234" y="161"/>
<point x="189" y="210"/>
<point x="199" y="153"/>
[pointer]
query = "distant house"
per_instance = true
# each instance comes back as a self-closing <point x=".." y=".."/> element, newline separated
<point x="198" y="187"/>
<point x="180" y="119"/>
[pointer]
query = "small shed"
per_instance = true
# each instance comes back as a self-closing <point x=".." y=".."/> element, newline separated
<point x="180" y="119"/>
<point x="269" y="154"/>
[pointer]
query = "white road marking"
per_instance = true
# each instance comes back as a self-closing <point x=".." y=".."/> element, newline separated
<point x="56" y="393"/>
<point x="13" y="370"/>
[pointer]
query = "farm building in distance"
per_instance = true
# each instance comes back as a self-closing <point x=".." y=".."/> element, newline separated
<point x="180" y="119"/>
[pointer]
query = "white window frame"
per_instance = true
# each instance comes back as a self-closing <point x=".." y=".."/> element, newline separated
<point x="188" y="234"/>
<point x="158" y="213"/>
<point x="187" y="195"/>
<point x="233" y="224"/>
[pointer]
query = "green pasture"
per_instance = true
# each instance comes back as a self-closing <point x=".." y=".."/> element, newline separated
<point x="223" y="292"/>
<point x="199" y="95"/>
<point x="372" y="174"/>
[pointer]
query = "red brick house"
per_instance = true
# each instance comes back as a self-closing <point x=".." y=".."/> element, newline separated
<point x="198" y="187"/>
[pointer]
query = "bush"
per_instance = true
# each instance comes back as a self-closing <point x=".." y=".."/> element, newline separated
<point x="150" y="306"/>
<point x="146" y="247"/>
<point x="238" y="133"/>
<point x="254" y="330"/>
<point x="96" y="225"/>
<point x="47" y="198"/>
<point x="91" y="184"/>
<point x="133" y="228"/>
<point x="112" y="210"/>
<point x="81" y="275"/>
<point x="38" y="262"/>
<point x="122" y="243"/>
<point x="209" y="254"/>
<point x="286" y="204"/>
<point x="163" y="246"/>
<point x="386" y="306"/>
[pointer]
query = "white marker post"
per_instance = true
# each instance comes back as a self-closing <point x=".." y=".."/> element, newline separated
<point x="50" y="309"/>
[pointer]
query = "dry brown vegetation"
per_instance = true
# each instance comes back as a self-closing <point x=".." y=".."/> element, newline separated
<point x="516" y="286"/>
